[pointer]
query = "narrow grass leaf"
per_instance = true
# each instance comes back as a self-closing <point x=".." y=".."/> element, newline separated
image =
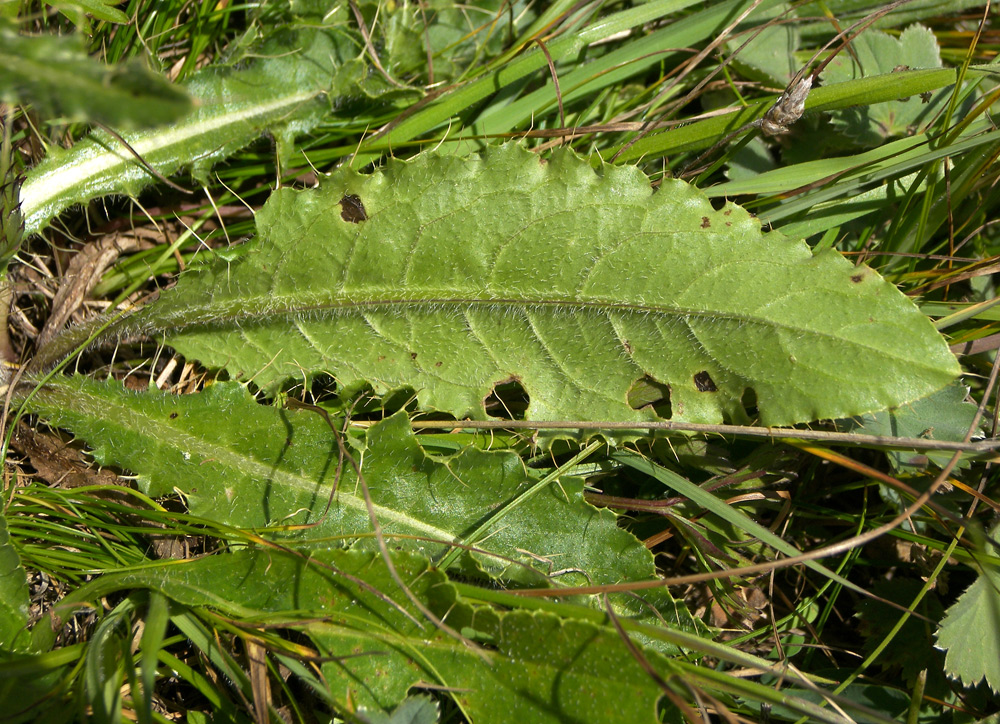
<point x="861" y="92"/>
<point x="726" y="512"/>
<point x="79" y="11"/>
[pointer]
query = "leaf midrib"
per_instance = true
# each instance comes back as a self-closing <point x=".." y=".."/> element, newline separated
<point x="261" y="309"/>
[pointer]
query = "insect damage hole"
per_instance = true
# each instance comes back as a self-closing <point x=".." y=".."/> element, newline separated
<point x="703" y="381"/>
<point x="352" y="210"/>
<point x="508" y="400"/>
<point x="647" y="393"/>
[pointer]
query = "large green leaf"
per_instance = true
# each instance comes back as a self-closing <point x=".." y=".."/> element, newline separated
<point x="531" y="667"/>
<point x="377" y="654"/>
<point x="249" y="465"/>
<point x="451" y="275"/>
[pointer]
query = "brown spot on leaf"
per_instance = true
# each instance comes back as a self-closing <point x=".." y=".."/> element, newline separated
<point x="705" y="223"/>
<point x="413" y="355"/>
<point x="856" y="278"/>
<point x="437" y="364"/>
<point x="173" y="415"/>
<point x="703" y="381"/>
<point x="352" y="210"/>
<point x="627" y="345"/>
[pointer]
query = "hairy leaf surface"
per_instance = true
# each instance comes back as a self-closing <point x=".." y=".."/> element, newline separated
<point x="250" y="465"/>
<point x="451" y="275"/>
<point x="56" y="76"/>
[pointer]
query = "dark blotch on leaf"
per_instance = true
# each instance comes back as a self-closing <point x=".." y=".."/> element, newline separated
<point x="413" y="355"/>
<point x="856" y="278"/>
<point x="705" y="223"/>
<point x="352" y="210"/>
<point x="703" y="381"/>
<point x="174" y="415"/>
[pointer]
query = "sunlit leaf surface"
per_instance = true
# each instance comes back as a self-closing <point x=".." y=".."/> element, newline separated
<point x="449" y="275"/>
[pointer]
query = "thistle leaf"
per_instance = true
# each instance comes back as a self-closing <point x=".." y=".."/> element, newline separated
<point x="252" y="466"/>
<point x="55" y="75"/>
<point x="449" y="276"/>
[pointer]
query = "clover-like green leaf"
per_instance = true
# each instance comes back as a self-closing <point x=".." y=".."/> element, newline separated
<point x="970" y="633"/>
<point x="880" y="54"/>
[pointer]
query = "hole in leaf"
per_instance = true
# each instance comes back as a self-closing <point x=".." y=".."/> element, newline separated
<point x="703" y="381"/>
<point x="749" y="402"/>
<point x="352" y="210"/>
<point x="718" y="203"/>
<point x="508" y="400"/>
<point x="647" y="392"/>
<point x="401" y="399"/>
